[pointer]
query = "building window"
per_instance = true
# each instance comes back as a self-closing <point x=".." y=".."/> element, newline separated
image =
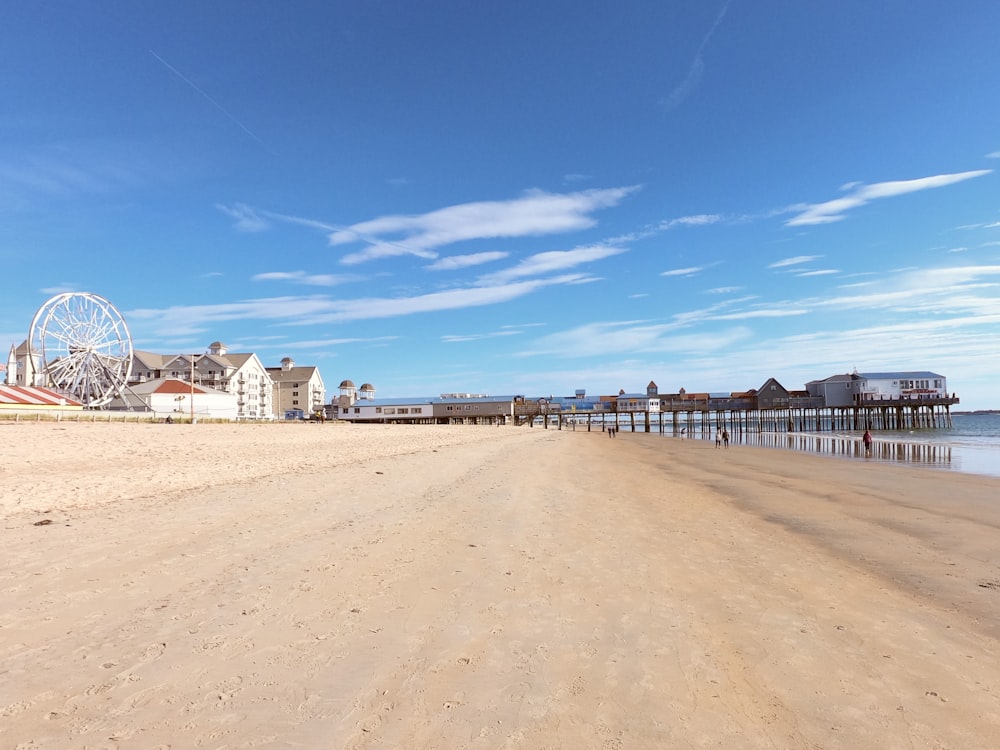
<point x="404" y="411"/>
<point x="295" y="402"/>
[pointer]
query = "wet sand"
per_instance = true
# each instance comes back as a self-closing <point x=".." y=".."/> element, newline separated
<point x="236" y="586"/>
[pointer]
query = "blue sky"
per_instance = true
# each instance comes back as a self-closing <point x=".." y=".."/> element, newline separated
<point x="516" y="197"/>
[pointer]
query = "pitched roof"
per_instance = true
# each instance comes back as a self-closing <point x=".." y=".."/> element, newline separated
<point x="845" y="377"/>
<point x="32" y="396"/>
<point x="292" y="373"/>
<point x="900" y="375"/>
<point x="170" y="385"/>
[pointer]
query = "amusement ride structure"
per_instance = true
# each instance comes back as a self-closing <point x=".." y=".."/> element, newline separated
<point x="79" y="344"/>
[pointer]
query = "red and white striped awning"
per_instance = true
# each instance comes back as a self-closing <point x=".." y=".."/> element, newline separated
<point x="18" y="395"/>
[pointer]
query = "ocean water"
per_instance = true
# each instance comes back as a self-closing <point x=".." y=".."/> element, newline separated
<point x="971" y="445"/>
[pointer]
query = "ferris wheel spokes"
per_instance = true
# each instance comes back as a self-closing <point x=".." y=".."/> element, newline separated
<point x="82" y="344"/>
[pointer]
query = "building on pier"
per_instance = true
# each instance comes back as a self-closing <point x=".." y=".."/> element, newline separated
<point x="854" y="401"/>
<point x="859" y="387"/>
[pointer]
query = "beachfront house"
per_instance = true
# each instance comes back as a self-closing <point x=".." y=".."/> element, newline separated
<point x="178" y="399"/>
<point x="241" y="374"/>
<point x="297" y="389"/>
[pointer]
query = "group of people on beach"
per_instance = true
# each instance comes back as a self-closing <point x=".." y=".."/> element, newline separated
<point x="722" y="438"/>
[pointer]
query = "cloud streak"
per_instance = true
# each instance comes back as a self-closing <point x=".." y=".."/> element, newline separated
<point x="458" y="262"/>
<point x="536" y="213"/>
<point x="860" y="195"/>
<point x="554" y="260"/>
<point x="317" y="309"/>
<point x="309" y="279"/>
<point x="697" y="70"/>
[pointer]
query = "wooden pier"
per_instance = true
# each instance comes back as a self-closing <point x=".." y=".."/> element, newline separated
<point x="740" y="416"/>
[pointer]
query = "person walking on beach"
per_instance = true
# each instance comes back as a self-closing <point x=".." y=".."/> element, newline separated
<point x="718" y="438"/>
<point x="725" y="438"/>
<point x="867" y="440"/>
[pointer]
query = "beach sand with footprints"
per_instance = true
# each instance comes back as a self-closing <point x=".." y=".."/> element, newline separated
<point x="334" y="586"/>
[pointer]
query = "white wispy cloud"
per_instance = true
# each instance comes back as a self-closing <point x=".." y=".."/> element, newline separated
<point x="993" y="155"/>
<point x="534" y="214"/>
<point x="247" y="218"/>
<point x="319" y="309"/>
<point x="56" y="173"/>
<point x="624" y="338"/>
<point x="795" y="261"/>
<point x="696" y="71"/>
<point x="691" y="271"/>
<point x="835" y="210"/>
<point x="456" y="262"/>
<point x="61" y="288"/>
<point x="310" y="279"/>
<point x="551" y="261"/>
<point x="820" y="272"/>
<point x="723" y="290"/>
<point x="324" y="343"/>
<point x="458" y="338"/>
<point x="696" y="220"/>
<point x="773" y="312"/>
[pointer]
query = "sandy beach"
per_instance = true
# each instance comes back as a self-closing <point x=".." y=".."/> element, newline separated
<point x="333" y="586"/>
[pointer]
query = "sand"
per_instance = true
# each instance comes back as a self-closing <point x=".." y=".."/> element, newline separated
<point x="333" y="586"/>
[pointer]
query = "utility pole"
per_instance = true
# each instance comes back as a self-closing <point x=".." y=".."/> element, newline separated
<point x="192" y="387"/>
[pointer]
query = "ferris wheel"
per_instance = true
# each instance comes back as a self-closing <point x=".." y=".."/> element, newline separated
<point x="80" y="342"/>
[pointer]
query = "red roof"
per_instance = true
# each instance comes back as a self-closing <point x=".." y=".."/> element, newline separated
<point x="171" y="385"/>
<point x="30" y="396"/>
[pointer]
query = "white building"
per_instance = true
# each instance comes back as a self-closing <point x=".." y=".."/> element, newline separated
<point x="172" y="397"/>
<point x="902" y="385"/>
<point x="856" y="387"/>
<point x="240" y="374"/>
<point x="349" y="395"/>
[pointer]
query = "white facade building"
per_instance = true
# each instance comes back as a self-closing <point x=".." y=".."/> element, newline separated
<point x="179" y="399"/>
<point x="241" y="374"/>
